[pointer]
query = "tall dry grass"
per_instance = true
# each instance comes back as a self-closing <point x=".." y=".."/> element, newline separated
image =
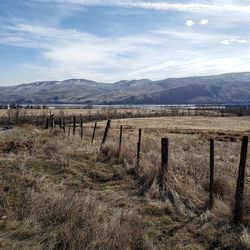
<point x="58" y="220"/>
<point x="49" y="196"/>
<point x="61" y="192"/>
<point x="188" y="169"/>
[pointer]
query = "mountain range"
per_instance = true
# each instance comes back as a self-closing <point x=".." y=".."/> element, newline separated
<point x="225" y="88"/>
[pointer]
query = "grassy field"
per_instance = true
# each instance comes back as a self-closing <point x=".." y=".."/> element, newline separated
<point x="79" y="111"/>
<point x="58" y="192"/>
<point x="22" y="114"/>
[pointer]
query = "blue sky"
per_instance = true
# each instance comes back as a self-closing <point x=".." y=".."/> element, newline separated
<point x="111" y="40"/>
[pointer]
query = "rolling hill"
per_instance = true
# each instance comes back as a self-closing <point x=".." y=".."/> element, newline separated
<point x="224" y="88"/>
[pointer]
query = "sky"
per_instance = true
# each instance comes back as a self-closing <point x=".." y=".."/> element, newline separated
<point x="112" y="40"/>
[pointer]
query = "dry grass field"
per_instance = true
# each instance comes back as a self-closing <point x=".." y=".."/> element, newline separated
<point x="77" y="111"/>
<point x="61" y="192"/>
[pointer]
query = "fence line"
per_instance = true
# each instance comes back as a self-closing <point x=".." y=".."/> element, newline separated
<point x="239" y="193"/>
<point x="19" y="115"/>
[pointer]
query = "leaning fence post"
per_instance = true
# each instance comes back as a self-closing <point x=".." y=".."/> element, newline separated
<point x="81" y="128"/>
<point x="239" y="195"/>
<point x="106" y="132"/>
<point x="120" y="142"/>
<point x="74" y="125"/>
<point x="211" y="182"/>
<point x="164" y="162"/>
<point x="93" y="135"/>
<point x="138" y="156"/>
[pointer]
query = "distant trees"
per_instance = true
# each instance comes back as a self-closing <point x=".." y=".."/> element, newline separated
<point x="18" y="106"/>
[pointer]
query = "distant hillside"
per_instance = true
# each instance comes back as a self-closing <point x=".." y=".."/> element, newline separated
<point x="225" y="88"/>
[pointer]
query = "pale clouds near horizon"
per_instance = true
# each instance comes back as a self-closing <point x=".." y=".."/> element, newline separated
<point x="191" y="23"/>
<point x="114" y="40"/>
<point x="204" y="22"/>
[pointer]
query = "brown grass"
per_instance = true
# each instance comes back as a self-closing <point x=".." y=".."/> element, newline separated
<point x="75" y="221"/>
<point x="59" y="192"/>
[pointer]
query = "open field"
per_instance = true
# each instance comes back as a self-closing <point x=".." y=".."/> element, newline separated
<point x="233" y="124"/>
<point x="69" y="111"/>
<point x="61" y="192"/>
<point x="89" y="111"/>
<point x="37" y="117"/>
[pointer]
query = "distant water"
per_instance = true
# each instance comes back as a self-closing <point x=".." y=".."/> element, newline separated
<point x="146" y="106"/>
<point x="142" y="106"/>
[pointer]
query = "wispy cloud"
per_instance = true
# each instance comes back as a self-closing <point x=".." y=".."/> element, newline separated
<point x="204" y="66"/>
<point x="192" y="37"/>
<point x="71" y="53"/>
<point x="77" y="44"/>
<point x="213" y="7"/>
<point x="204" y="22"/>
<point x="233" y="40"/>
<point x="191" y="23"/>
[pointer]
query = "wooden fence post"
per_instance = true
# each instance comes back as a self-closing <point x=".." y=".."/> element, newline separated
<point x="64" y="128"/>
<point x="106" y="132"/>
<point x="47" y="123"/>
<point x="211" y="182"/>
<point x="60" y="122"/>
<point x="53" y="122"/>
<point x="74" y="125"/>
<point x="138" y="156"/>
<point x="164" y="163"/>
<point x="69" y="130"/>
<point x="93" y="135"/>
<point x="239" y="195"/>
<point x="120" y="142"/>
<point x="81" y="128"/>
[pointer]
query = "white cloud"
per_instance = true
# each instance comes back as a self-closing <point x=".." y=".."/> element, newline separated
<point x="192" y="37"/>
<point x="203" y="64"/>
<point x="69" y="53"/>
<point x="204" y="22"/>
<point x="233" y="40"/>
<point x="190" y="23"/>
<point x="212" y="7"/>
